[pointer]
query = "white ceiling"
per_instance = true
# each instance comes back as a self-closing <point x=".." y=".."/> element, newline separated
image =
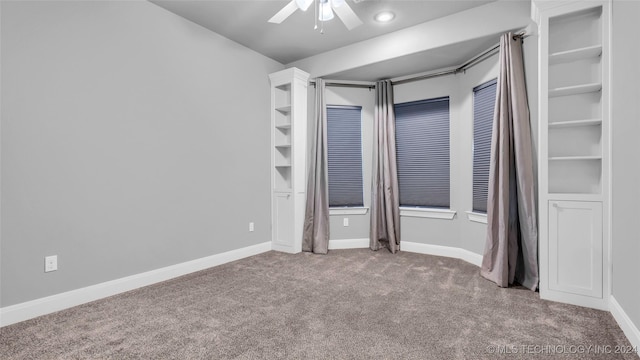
<point x="245" y="22"/>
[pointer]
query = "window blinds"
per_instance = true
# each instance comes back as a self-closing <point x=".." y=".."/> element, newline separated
<point x="344" y="143"/>
<point x="484" y="98"/>
<point x="422" y="152"/>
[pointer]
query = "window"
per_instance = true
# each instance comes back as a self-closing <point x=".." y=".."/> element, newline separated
<point x="484" y="98"/>
<point x="344" y="144"/>
<point x="422" y="152"/>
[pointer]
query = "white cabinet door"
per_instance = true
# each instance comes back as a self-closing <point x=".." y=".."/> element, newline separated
<point x="575" y="247"/>
<point x="283" y="221"/>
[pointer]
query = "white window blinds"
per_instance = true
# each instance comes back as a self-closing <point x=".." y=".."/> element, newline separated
<point x="484" y="98"/>
<point x="344" y="144"/>
<point x="422" y="152"/>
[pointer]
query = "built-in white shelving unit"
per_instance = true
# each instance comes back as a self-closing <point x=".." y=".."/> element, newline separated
<point x="573" y="166"/>
<point x="288" y="157"/>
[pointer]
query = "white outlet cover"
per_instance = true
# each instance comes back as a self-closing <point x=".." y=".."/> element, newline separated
<point x="51" y="263"/>
<point x="345" y="222"/>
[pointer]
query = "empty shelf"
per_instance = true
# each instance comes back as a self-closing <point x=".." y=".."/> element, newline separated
<point x="570" y="158"/>
<point x="573" y="123"/>
<point x="575" y="54"/>
<point x="284" y="109"/>
<point x="573" y="90"/>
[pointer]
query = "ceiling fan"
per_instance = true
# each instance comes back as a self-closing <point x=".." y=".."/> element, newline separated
<point x="326" y="8"/>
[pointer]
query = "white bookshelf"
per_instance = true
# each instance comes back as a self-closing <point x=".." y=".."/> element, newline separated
<point x="573" y="164"/>
<point x="288" y="157"/>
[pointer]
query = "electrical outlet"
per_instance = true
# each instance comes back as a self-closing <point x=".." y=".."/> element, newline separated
<point x="51" y="263"/>
<point x="251" y="227"/>
<point x="345" y="222"/>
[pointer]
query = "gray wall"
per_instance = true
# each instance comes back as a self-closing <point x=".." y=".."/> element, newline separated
<point x="625" y="148"/>
<point x="132" y="139"/>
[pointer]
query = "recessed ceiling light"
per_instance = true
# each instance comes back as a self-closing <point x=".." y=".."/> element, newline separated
<point x="384" y="16"/>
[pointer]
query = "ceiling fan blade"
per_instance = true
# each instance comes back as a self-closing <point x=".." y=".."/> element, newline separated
<point x="284" y="13"/>
<point x="348" y="17"/>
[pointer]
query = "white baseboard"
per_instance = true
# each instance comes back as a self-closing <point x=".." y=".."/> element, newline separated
<point x="30" y="309"/>
<point x="452" y="252"/>
<point x="349" y="244"/>
<point x="628" y="327"/>
<point x="573" y="299"/>
<point x="438" y="250"/>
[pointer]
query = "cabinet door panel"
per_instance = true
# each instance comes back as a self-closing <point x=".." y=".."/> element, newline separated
<point x="283" y="219"/>
<point x="575" y="247"/>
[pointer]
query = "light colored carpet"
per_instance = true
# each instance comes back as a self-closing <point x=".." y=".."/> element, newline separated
<point x="349" y="304"/>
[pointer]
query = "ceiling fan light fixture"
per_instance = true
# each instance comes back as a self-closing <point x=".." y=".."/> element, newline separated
<point x="304" y="4"/>
<point x="326" y="13"/>
<point x="384" y="16"/>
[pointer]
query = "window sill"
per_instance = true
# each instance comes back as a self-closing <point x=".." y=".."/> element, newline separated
<point x="432" y="213"/>
<point x="477" y="217"/>
<point x="348" y="210"/>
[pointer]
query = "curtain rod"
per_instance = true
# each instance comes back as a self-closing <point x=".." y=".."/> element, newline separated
<point x="476" y="59"/>
<point x="350" y="85"/>
<point x="469" y="63"/>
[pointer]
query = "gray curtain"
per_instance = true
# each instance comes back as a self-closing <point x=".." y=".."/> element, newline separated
<point x="316" y="220"/>
<point x="512" y="237"/>
<point x="385" y="207"/>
